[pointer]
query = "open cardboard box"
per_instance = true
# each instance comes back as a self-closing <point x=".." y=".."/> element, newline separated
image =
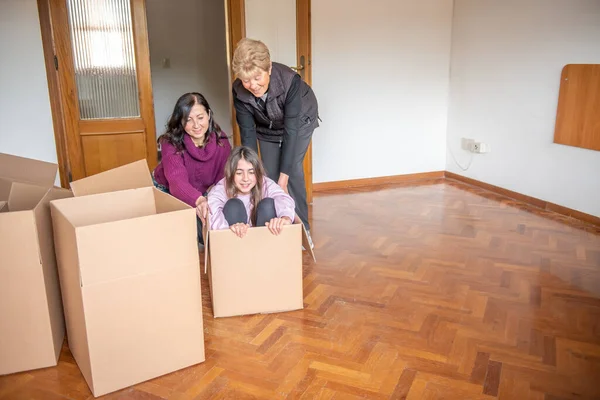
<point x="130" y="279"/>
<point x="32" y="327"/>
<point x="260" y="273"/>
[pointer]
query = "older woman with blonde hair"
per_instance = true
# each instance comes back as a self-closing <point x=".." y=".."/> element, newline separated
<point x="278" y="111"/>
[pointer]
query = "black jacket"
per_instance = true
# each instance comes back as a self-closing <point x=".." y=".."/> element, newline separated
<point x="291" y="108"/>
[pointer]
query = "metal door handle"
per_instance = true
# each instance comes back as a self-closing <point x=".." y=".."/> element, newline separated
<point x="298" y="68"/>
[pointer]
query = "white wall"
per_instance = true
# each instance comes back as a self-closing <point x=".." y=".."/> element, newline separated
<point x="213" y="69"/>
<point x="507" y="58"/>
<point x="380" y="73"/>
<point x="25" y="117"/>
<point x="191" y="34"/>
<point x="274" y="23"/>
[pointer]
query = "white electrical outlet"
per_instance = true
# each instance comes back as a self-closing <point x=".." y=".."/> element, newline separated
<point x="480" y="147"/>
<point x="474" y="147"/>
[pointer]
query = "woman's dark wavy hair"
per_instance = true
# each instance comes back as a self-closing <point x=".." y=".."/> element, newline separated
<point x="176" y="126"/>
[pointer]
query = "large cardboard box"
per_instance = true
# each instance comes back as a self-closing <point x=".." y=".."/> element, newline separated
<point x="32" y="328"/>
<point x="260" y="273"/>
<point x="130" y="279"/>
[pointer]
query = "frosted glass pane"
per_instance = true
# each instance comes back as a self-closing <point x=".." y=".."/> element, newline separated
<point x="103" y="53"/>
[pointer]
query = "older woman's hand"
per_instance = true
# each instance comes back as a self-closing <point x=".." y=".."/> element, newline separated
<point x="283" y="182"/>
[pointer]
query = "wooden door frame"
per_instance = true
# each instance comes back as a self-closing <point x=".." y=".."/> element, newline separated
<point x="54" y="89"/>
<point x="304" y="48"/>
<point x="235" y="11"/>
<point x="62" y="89"/>
<point x="236" y="31"/>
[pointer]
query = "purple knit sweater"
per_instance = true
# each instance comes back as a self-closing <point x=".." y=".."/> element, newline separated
<point x="189" y="173"/>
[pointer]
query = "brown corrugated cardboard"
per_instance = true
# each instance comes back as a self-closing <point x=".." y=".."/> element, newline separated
<point x="27" y="170"/>
<point x="32" y="329"/>
<point x="260" y="273"/>
<point x="131" y="176"/>
<point x="130" y="278"/>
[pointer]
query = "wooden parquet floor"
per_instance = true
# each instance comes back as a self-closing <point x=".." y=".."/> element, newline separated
<point x="434" y="291"/>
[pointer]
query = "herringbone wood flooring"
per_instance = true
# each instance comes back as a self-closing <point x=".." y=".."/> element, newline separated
<point x="420" y="292"/>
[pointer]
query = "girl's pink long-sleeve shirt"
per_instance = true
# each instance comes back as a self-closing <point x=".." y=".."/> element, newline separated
<point x="217" y="197"/>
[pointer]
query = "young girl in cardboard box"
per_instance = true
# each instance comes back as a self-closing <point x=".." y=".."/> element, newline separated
<point x="247" y="197"/>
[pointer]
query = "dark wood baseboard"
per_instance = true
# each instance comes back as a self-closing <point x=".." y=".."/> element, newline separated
<point x="545" y="205"/>
<point x="386" y="180"/>
<point x="383" y="180"/>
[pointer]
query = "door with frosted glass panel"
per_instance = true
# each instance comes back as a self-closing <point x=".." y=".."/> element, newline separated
<point x="105" y="86"/>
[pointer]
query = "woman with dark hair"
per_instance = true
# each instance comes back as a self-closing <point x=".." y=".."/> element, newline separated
<point x="247" y="197"/>
<point x="194" y="150"/>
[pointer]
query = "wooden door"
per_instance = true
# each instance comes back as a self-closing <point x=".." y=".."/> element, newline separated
<point x="290" y="47"/>
<point x="101" y="82"/>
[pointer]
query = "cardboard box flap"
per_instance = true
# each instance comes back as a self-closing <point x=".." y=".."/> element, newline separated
<point x="130" y="176"/>
<point x="45" y="235"/>
<point x="27" y="170"/>
<point x="107" y="207"/>
<point x="24" y="196"/>
<point x="206" y="239"/>
<point x="5" y="186"/>
<point x="306" y="243"/>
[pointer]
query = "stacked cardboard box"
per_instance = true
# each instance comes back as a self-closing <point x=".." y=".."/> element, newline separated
<point x="32" y="329"/>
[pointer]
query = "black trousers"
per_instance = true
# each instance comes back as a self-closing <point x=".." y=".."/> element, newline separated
<point x="235" y="212"/>
<point x="270" y="154"/>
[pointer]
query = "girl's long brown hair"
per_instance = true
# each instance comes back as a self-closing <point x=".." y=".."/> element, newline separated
<point x="246" y="153"/>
